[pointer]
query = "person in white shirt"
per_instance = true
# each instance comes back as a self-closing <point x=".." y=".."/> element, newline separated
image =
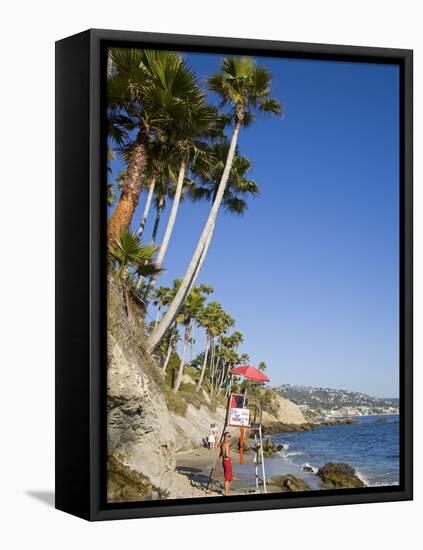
<point x="212" y="438"/>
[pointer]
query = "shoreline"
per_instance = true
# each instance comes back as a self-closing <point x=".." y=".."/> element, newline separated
<point x="381" y="472"/>
<point x="364" y="415"/>
<point x="193" y="469"/>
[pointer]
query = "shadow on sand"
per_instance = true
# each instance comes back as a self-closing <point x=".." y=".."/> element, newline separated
<point x="198" y="477"/>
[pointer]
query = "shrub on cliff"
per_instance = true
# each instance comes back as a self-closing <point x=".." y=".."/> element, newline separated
<point x="190" y="397"/>
<point x="270" y="402"/>
<point x="175" y="402"/>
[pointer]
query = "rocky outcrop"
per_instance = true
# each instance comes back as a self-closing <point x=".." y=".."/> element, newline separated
<point x="141" y="442"/>
<point x="339" y="476"/>
<point x="289" y="483"/>
<point x="270" y="448"/>
<point x="285" y="412"/>
<point x="276" y="427"/>
<point x="281" y="427"/>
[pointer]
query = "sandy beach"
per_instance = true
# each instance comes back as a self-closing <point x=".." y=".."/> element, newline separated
<point x="194" y="469"/>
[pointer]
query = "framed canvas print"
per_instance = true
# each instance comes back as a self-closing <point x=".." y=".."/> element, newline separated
<point x="234" y="274"/>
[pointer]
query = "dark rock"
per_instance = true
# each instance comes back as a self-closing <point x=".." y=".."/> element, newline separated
<point x="235" y="444"/>
<point x="270" y="448"/>
<point x="339" y="476"/>
<point x="290" y="483"/>
<point x="281" y="427"/>
<point x="338" y="421"/>
<point x="125" y="485"/>
<point x="308" y="468"/>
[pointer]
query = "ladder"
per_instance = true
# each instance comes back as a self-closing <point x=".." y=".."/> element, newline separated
<point x="259" y="459"/>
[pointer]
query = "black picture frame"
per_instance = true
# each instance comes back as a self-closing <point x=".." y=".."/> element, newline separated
<point x="81" y="282"/>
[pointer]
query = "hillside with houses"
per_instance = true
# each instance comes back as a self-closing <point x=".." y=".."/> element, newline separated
<point x="327" y="402"/>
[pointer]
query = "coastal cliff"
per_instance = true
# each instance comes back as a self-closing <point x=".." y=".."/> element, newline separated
<point x="141" y="440"/>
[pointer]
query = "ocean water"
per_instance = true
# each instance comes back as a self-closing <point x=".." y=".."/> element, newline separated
<point x="371" y="447"/>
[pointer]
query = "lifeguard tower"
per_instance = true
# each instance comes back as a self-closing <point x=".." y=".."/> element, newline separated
<point x="244" y="411"/>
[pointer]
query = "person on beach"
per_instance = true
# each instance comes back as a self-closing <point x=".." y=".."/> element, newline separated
<point x="211" y="438"/>
<point x="215" y="432"/>
<point x="226" y="462"/>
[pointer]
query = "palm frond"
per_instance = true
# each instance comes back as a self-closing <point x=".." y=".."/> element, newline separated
<point x="271" y="106"/>
<point x="129" y="252"/>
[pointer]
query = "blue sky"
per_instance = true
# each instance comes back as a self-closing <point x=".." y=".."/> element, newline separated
<point x="311" y="272"/>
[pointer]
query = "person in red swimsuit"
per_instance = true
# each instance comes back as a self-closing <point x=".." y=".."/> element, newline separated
<point x="226" y="462"/>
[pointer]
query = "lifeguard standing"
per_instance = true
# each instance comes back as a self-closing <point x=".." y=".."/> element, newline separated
<point x="226" y="462"/>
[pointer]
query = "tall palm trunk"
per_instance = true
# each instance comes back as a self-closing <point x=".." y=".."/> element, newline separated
<point x="216" y="374"/>
<point x="170" y="223"/>
<point x="216" y="366"/>
<point x="222" y="374"/>
<point x="156" y="322"/>
<point x="172" y="216"/>
<point x="177" y="302"/>
<point x="200" y="262"/>
<point x="191" y="344"/>
<point x="147" y="207"/>
<point x="212" y="364"/>
<point x="181" y="364"/>
<point x="203" y="370"/>
<point x="125" y="208"/>
<point x="222" y="378"/>
<point x="169" y="351"/>
<point x="159" y="212"/>
<point x="157" y="220"/>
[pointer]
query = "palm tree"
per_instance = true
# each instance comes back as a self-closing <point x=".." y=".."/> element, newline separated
<point x="132" y="260"/>
<point x="128" y="253"/>
<point x="151" y="87"/>
<point x="186" y="143"/>
<point x="238" y="187"/>
<point x="188" y="317"/>
<point x="159" y="166"/>
<point x="171" y="337"/>
<point x="229" y="354"/>
<point x="223" y="324"/>
<point x="161" y="192"/>
<point x="162" y="297"/>
<point x="161" y="189"/>
<point x="244" y="89"/>
<point x="110" y="190"/>
<point x="111" y="197"/>
<point x="148" y="202"/>
<point x="216" y="322"/>
<point x="164" y="188"/>
<point x="171" y="344"/>
<point x="208" y="319"/>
